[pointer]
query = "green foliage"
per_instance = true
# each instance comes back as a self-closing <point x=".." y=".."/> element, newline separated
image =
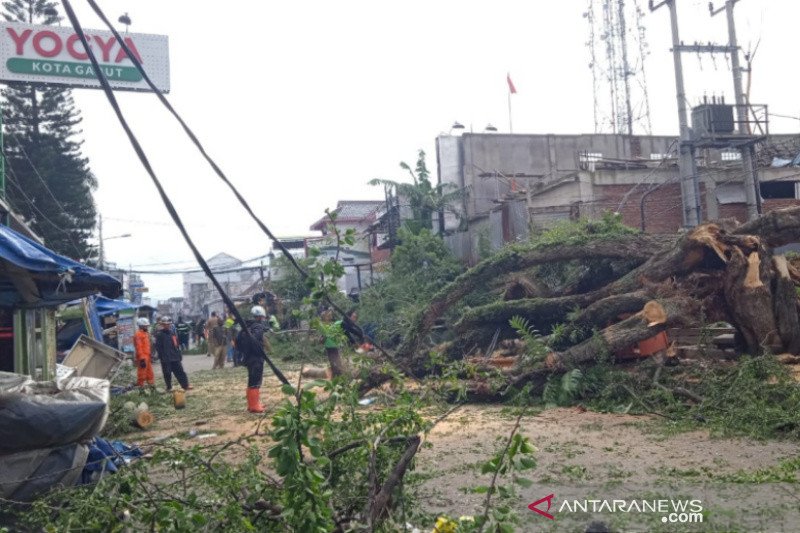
<point x="423" y="197"/>
<point x="48" y="180"/>
<point x="484" y="244"/>
<point x="786" y="471"/>
<point x="296" y="430"/>
<point x="756" y="398"/>
<point x="289" y="284"/>
<point x="586" y="274"/>
<point x="567" y="334"/>
<point x="535" y="349"/>
<point x="302" y="347"/>
<point x="509" y="463"/>
<point x="563" y="390"/>
<point x="174" y="490"/>
<point x="301" y="483"/>
<point x="419" y="267"/>
<point x="583" y="230"/>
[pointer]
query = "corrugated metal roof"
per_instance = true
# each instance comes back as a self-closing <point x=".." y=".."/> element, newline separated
<point x="351" y="211"/>
<point x="357" y="209"/>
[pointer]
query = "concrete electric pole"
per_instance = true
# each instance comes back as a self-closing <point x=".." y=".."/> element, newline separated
<point x="687" y="166"/>
<point x="751" y="192"/>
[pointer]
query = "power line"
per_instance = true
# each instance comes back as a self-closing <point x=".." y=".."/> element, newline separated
<point x="33" y="205"/>
<point x="193" y="271"/>
<point x="222" y="270"/>
<point x="38" y="175"/>
<point x="109" y="93"/>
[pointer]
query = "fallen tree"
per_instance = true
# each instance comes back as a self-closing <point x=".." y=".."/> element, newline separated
<point x="715" y="272"/>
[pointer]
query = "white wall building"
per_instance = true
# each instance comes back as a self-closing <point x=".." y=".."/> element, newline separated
<point x="199" y="293"/>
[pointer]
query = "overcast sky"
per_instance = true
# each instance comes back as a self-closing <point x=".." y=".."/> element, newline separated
<point x="301" y="103"/>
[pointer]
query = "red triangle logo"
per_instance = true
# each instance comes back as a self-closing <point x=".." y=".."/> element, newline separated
<point x="549" y="500"/>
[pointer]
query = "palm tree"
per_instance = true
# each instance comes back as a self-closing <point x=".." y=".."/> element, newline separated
<point x="423" y="197"/>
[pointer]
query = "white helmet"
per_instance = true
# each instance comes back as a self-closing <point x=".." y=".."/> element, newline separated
<point x="165" y="320"/>
<point x="143" y="322"/>
<point x="257" y="310"/>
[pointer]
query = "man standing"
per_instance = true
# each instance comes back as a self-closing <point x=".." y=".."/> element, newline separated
<point x="229" y="325"/>
<point x="213" y="344"/>
<point x="253" y="357"/>
<point x="200" y="331"/>
<point x="183" y="333"/>
<point x="216" y="342"/>
<point x="141" y="346"/>
<point x="170" y="354"/>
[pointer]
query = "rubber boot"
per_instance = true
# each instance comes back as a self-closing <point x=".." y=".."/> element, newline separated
<point x="253" y="401"/>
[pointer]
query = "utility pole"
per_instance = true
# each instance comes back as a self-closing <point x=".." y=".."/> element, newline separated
<point x="100" y="231"/>
<point x="687" y="166"/>
<point x="261" y="274"/>
<point x="750" y="173"/>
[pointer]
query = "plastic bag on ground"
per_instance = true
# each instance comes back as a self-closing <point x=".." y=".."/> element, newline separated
<point x="47" y="414"/>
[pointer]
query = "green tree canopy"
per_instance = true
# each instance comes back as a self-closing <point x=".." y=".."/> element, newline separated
<point x="424" y="198"/>
<point x="48" y="180"/>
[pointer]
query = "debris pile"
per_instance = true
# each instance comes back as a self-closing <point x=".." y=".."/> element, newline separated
<point x="649" y="289"/>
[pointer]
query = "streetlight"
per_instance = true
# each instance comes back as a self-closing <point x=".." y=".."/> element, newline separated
<point x="125" y="19"/>
<point x="102" y="252"/>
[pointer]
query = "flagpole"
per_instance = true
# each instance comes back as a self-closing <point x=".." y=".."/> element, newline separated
<point x="511" y="90"/>
<point x="510" y="125"/>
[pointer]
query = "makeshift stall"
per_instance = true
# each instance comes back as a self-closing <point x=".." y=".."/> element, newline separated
<point x="34" y="280"/>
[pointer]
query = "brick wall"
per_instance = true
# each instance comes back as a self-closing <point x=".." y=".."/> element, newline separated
<point x="736" y="211"/>
<point x="662" y="208"/>
<point x="739" y="210"/>
<point x="779" y="203"/>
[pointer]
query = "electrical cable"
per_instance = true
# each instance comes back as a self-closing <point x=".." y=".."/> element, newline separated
<point x="347" y="320"/>
<point x="50" y="192"/>
<point x="12" y="179"/>
<point x="38" y="175"/>
<point x="664" y="158"/>
<point x="193" y="271"/>
<point x="76" y="26"/>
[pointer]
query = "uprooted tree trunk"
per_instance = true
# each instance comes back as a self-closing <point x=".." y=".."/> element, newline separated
<point x="515" y="259"/>
<point x="712" y="273"/>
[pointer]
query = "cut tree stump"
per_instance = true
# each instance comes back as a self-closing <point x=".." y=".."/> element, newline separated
<point x="142" y="419"/>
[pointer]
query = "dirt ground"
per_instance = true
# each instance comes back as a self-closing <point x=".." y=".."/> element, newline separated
<point x="580" y="456"/>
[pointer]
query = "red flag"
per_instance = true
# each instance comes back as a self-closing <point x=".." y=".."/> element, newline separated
<point x="511" y="88"/>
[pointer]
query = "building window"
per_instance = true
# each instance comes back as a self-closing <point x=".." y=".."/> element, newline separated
<point x="730" y="156"/>
<point x="771" y="190"/>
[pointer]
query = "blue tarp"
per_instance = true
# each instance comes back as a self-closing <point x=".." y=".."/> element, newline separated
<point x="107" y="306"/>
<point x="45" y="278"/>
<point x="94" y="319"/>
<point x="98" y="307"/>
<point x="107" y="456"/>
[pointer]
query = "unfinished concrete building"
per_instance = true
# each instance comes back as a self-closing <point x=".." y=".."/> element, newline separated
<point x="517" y="183"/>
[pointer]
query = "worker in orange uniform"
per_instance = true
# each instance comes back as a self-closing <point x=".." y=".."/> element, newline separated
<point x="141" y="345"/>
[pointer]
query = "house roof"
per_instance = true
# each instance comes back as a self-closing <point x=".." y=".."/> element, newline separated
<point x="223" y="259"/>
<point x="351" y="211"/>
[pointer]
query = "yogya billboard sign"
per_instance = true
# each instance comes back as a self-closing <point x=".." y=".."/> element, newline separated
<point x="48" y="54"/>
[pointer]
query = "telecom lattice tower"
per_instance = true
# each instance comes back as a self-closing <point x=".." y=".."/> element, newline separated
<point x="618" y="49"/>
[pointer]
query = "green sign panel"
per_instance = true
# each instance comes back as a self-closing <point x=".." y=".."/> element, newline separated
<point x="44" y="67"/>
